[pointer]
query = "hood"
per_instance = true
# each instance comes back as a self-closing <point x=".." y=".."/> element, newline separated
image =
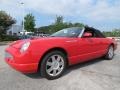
<point x="45" y="40"/>
<point x="35" y="38"/>
<point x="49" y="39"/>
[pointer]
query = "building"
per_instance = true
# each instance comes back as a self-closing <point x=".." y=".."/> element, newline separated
<point x="14" y="30"/>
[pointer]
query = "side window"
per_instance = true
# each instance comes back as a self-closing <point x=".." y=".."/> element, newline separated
<point x="87" y="34"/>
<point x="95" y="35"/>
<point x="98" y="34"/>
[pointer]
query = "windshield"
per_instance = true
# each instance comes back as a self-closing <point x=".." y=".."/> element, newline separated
<point x="68" y="32"/>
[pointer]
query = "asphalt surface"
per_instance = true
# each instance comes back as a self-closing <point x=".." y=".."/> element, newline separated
<point x="98" y="74"/>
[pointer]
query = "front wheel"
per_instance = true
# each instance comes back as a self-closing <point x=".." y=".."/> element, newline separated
<point x="53" y="65"/>
<point x="110" y="53"/>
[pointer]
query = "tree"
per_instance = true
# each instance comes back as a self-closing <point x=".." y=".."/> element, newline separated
<point x="6" y="22"/>
<point x="29" y="22"/>
<point x="78" y="25"/>
<point x="59" y="20"/>
<point x="113" y="33"/>
<point x="58" y="25"/>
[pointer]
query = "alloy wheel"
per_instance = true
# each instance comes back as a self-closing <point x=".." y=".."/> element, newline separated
<point x="54" y="65"/>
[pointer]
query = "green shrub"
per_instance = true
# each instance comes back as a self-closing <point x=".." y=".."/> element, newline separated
<point x="8" y="38"/>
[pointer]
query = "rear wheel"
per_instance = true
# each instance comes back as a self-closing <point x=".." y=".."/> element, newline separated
<point x="53" y="65"/>
<point x="110" y="53"/>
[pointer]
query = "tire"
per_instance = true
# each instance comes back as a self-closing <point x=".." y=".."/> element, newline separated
<point x="53" y="65"/>
<point x="110" y="53"/>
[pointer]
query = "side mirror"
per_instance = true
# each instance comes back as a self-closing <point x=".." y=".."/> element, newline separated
<point x="87" y="34"/>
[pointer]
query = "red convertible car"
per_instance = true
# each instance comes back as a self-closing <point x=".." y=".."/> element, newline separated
<point x="51" y="55"/>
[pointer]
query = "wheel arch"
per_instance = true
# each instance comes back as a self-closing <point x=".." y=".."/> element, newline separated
<point x="53" y="49"/>
<point x="112" y="44"/>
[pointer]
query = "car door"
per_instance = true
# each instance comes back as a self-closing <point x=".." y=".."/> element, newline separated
<point x="79" y="49"/>
<point x="103" y="45"/>
<point x="97" y="47"/>
<point x="103" y="42"/>
<point x="85" y="49"/>
<point x="89" y="47"/>
<point x="100" y="44"/>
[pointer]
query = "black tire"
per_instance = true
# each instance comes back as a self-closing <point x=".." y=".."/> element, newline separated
<point x="43" y="65"/>
<point x="107" y="56"/>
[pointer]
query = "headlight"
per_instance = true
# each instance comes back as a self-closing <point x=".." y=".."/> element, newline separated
<point x="24" y="47"/>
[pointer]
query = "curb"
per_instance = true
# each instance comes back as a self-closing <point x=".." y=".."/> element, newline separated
<point x="5" y="43"/>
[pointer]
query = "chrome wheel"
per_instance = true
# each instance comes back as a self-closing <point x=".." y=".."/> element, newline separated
<point x="111" y="52"/>
<point x="54" y="65"/>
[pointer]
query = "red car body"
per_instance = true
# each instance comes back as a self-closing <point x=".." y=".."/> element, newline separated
<point x="77" y="50"/>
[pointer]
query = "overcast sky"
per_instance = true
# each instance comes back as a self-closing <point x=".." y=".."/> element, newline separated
<point x="101" y="14"/>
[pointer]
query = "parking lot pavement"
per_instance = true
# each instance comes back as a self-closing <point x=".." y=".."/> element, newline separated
<point x="2" y="63"/>
<point x="98" y="74"/>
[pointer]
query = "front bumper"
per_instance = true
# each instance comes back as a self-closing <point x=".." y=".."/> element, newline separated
<point x="24" y="68"/>
<point x="22" y="63"/>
